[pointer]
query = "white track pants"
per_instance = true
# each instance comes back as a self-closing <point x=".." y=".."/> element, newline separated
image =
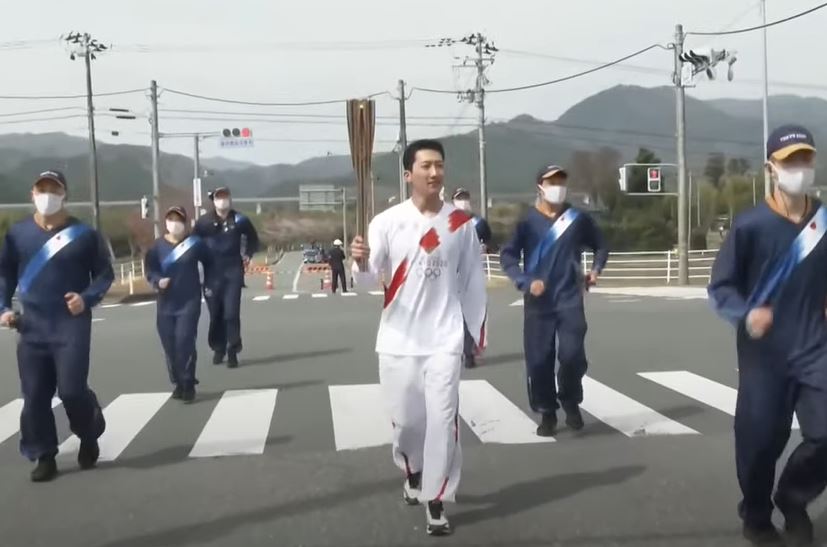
<point x="422" y="397"/>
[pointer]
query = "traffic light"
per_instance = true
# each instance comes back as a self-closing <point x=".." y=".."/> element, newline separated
<point x="653" y="179"/>
<point x="144" y="208"/>
<point x="238" y="133"/>
<point x="236" y="137"/>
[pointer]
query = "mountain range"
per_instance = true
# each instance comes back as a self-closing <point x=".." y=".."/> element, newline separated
<point x="625" y="118"/>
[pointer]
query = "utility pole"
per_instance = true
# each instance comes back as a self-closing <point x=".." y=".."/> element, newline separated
<point x="86" y="46"/>
<point x="766" y="98"/>
<point x="156" y="169"/>
<point x="403" y="142"/>
<point x="483" y="59"/>
<point x="196" y="178"/>
<point x="680" y="95"/>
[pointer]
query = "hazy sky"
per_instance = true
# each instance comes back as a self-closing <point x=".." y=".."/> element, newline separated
<point x="277" y="51"/>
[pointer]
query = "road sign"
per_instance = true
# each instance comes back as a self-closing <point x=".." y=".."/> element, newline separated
<point x="237" y="138"/>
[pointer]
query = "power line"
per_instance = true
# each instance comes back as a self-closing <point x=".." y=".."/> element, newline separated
<point x="318" y="46"/>
<point x="299" y="122"/>
<point x="292" y="114"/>
<point x="57" y="97"/>
<point x="49" y="119"/>
<point x="556" y="81"/>
<point x="42" y="111"/>
<point x="256" y="103"/>
<point x="759" y="27"/>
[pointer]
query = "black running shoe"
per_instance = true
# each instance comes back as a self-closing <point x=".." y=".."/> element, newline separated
<point x="232" y="360"/>
<point x="88" y="454"/>
<point x="217" y="358"/>
<point x="45" y="471"/>
<point x="798" y="528"/>
<point x="548" y="427"/>
<point x="573" y="417"/>
<point x="177" y="392"/>
<point x="765" y="534"/>
<point x="188" y="395"/>
<point x="437" y="521"/>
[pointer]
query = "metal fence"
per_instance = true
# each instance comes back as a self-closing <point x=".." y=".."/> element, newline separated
<point x="645" y="267"/>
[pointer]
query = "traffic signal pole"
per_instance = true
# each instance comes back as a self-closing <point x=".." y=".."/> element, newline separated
<point x="156" y="168"/>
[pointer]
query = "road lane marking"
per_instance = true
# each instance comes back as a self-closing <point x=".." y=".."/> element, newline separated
<point x="628" y="416"/>
<point x="10" y="417"/>
<point x="704" y="390"/>
<point x="239" y="424"/>
<point x="360" y="418"/>
<point x="125" y="417"/>
<point x="493" y="418"/>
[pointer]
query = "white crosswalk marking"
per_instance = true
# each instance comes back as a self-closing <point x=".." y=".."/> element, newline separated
<point x="141" y="304"/>
<point x="349" y="294"/>
<point x="10" y="417"/>
<point x="360" y="418"/>
<point x="238" y="425"/>
<point x="290" y="296"/>
<point x="625" y="414"/>
<point x="377" y="293"/>
<point x="261" y="298"/>
<point x="125" y="417"/>
<point x="699" y="388"/>
<point x="319" y="295"/>
<point x="493" y="418"/>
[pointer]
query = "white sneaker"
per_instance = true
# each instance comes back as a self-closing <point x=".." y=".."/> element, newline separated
<point x="411" y="490"/>
<point x="437" y="521"/>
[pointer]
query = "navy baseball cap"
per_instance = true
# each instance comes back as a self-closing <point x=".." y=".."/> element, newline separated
<point x="788" y="139"/>
<point x="460" y="192"/>
<point x="54" y="176"/>
<point x="549" y="171"/>
<point x="177" y="209"/>
<point x="219" y="190"/>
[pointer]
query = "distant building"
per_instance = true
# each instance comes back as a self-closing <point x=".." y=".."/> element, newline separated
<point x="319" y="198"/>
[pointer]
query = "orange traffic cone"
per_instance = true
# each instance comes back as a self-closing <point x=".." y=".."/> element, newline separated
<point x="268" y="284"/>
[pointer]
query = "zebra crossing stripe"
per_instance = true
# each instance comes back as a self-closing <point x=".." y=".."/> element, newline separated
<point x="628" y="416"/>
<point x="701" y="389"/>
<point x="262" y="298"/>
<point x="290" y="296"/>
<point x="125" y="417"/>
<point x="360" y="418"/>
<point x="239" y="424"/>
<point x="10" y="417"/>
<point x="319" y="295"/>
<point x="493" y="418"/>
<point x="376" y="293"/>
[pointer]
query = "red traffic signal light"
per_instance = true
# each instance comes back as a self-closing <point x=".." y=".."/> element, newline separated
<point x="244" y="133"/>
<point x="654" y="174"/>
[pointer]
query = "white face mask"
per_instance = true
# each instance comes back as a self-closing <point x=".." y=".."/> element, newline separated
<point x="462" y="204"/>
<point x="554" y="194"/>
<point x="795" y="181"/>
<point x="48" y="204"/>
<point x="176" y="228"/>
<point x="222" y="204"/>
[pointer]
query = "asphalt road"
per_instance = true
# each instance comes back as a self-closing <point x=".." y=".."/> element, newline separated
<point x="279" y="452"/>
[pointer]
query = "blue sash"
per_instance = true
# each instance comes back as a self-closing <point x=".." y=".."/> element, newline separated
<point x="547" y="244"/>
<point x="800" y="249"/>
<point x="177" y="252"/>
<point x="53" y="246"/>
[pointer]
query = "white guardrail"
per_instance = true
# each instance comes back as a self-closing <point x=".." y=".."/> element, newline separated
<point x="632" y="267"/>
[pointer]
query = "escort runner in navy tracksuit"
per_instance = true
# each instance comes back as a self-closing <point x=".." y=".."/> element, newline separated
<point x="462" y="201"/>
<point x="770" y="281"/>
<point x="551" y="238"/>
<point x="61" y="270"/>
<point x="224" y="229"/>
<point x="172" y="269"/>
